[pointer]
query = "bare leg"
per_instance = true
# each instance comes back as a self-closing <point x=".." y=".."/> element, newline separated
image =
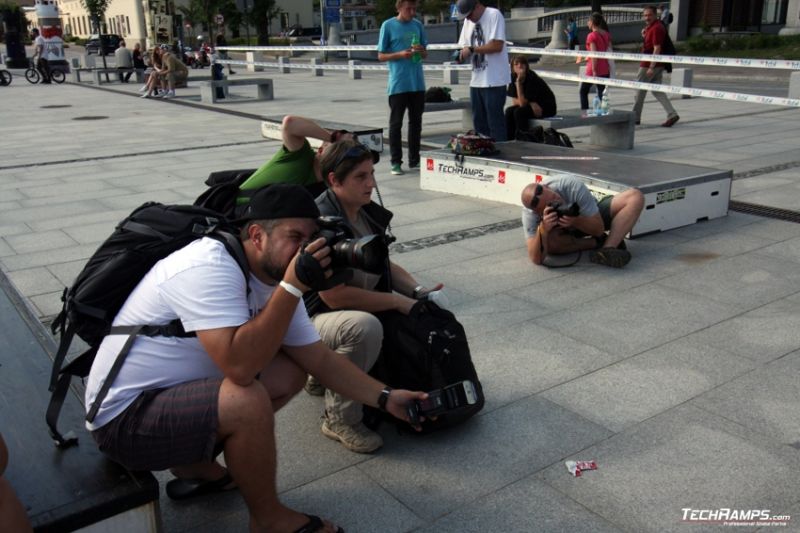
<point x="12" y="513"/>
<point x="625" y="210"/>
<point x="247" y="425"/>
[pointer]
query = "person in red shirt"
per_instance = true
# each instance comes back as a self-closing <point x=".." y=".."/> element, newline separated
<point x="598" y="40"/>
<point x="650" y="71"/>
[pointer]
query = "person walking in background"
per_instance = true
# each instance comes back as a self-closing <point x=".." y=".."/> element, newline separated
<point x="598" y="40"/>
<point x="402" y="43"/>
<point x="124" y="61"/>
<point x="222" y="54"/>
<point x="572" y="33"/>
<point x="651" y="71"/>
<point x="531" y="97"/>
<point x="483" y="38"/>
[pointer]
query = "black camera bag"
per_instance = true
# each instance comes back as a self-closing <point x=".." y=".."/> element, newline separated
<point x="425" y="350"/>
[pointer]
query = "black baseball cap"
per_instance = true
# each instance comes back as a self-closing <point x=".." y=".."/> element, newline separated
<point x="280" y="200"/>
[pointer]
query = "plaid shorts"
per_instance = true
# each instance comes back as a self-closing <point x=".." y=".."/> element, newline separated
<point x="165" y="428"/>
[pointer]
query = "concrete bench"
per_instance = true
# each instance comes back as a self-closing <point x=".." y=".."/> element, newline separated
<point x="208" y="89"/>
<point x="97" y="74"/>
<point x="463" y="104"/>
<point x="615" y="130"/>
<point x="61" y="489"/>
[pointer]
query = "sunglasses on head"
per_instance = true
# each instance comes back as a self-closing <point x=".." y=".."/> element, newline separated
<point x="356" y="152"/>
<point x="536" y="194"/>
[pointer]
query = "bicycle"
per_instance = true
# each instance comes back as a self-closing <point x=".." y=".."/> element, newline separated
<point x="5" y="77"/>
<point x="34" y="76"/>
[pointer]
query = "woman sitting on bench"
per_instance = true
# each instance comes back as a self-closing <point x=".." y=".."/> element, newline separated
<point x="531" y="96"/>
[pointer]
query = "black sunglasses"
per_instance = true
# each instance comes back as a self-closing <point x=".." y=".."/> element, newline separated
<point x="356" y="152"/>
<point x="536" y="193"/>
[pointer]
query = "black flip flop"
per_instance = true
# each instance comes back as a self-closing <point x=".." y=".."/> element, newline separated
<point x="183" y="489"/>
<point x="314" y="524"/>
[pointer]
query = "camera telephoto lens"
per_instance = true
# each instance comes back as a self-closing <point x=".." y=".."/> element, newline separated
<point x="368" y="253"/>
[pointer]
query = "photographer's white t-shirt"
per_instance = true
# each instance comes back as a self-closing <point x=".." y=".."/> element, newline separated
<point x="203" y="285"/>
<point x="488" y="70"/>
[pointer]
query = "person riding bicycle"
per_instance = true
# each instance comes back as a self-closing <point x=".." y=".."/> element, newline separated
<point x="42" y="65"/>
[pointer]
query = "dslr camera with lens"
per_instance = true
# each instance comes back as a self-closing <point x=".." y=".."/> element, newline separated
<point x="366" y="253"/>
<point x="565" y="210"/>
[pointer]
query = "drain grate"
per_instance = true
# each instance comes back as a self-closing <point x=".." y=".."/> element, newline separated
<point x="445" y="238"/>
<point x="56" y="106"/>
<point x="764" y="211"/>
<point x="90" y="117"/>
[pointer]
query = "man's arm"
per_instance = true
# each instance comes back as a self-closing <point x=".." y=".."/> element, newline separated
<point x="295" y="130"/>
<point x="344" y="297"/>
<point x="340" y="375"/>
<point x="242" y="352"/>
<point x="395" y="56"/>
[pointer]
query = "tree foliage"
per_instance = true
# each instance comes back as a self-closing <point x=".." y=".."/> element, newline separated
<point x="260" y="17"/>
<point x="97" y="12"/>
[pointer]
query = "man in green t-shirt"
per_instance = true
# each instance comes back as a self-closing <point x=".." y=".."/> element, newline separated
<point x="295" y="162"/>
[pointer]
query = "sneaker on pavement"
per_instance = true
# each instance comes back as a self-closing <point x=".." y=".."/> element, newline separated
<point x="356" y="438"/>
<point x="143" y="88"/>
<point x="168" y="94"/>
<point x="414" y="165"/>
<point x="613" y="257"/>
<point x="145" y="95"/>
<point x="314" y="387"/>
<point x="397" y="171"/>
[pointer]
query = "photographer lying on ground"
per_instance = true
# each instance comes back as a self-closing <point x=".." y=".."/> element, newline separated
<point x="344" y="315"/>
<point x="178" y="402"/>
<point x="561" y="216"/>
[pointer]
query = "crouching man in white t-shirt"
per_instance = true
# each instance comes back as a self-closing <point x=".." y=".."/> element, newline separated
<point x="177" y="402"/>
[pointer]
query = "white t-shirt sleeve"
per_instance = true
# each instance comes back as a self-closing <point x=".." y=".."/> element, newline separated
<point x="466" y="31"/>
<point x="496" y="30"/>
<point x="217" y="302"/>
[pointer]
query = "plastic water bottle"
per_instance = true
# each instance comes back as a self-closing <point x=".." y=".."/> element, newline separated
<point x="605" y="105"/>
<point x="416" y="57"/>
<point x="596" y="106"/>
<point x="439" y="298"/>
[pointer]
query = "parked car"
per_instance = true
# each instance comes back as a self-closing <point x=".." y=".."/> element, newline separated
<point x="110" y="43"/>
<point x="312" y="33"/>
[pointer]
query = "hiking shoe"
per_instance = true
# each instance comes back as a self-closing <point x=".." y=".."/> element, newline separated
<point x="670" y="121"/>
<point x="396" y="170"/>
<point x="356" y="438"/>
<point x="613" y="257"/>
<point x="601" y="242"/>
<point x="314" y="387"/>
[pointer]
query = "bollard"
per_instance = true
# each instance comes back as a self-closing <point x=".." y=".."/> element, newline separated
<point x="315" y="70"/>
<point x="283" y="65"/>
<point x="352" y="70"/>
<point x="681" y="77"/>
<point x="76" y="62"/>
<point x="450" y="76"/>
<point x="794" y="84"/>
<point x="251" y="58"/>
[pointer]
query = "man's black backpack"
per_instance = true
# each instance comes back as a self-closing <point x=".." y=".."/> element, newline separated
<point x="223" y="191"/>
<point x="425" y="350"/>
<point x="557" y="138"/>
<point x="150" y="233"/>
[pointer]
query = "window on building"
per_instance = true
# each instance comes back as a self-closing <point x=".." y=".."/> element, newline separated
<point x="774" y="12"/>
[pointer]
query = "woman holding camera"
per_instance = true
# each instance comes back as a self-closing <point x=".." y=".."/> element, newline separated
<point x="344" y="315"/>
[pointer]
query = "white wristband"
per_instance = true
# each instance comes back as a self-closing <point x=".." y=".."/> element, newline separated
<point x="291" y="289"/>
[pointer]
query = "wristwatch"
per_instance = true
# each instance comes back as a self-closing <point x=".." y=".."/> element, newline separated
<point x="383" y="398"/>
<point x="471" y="49"/>
<point x="418" y="289"/>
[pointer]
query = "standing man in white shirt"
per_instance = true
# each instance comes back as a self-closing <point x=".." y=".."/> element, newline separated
<point x="483" y="38"/>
